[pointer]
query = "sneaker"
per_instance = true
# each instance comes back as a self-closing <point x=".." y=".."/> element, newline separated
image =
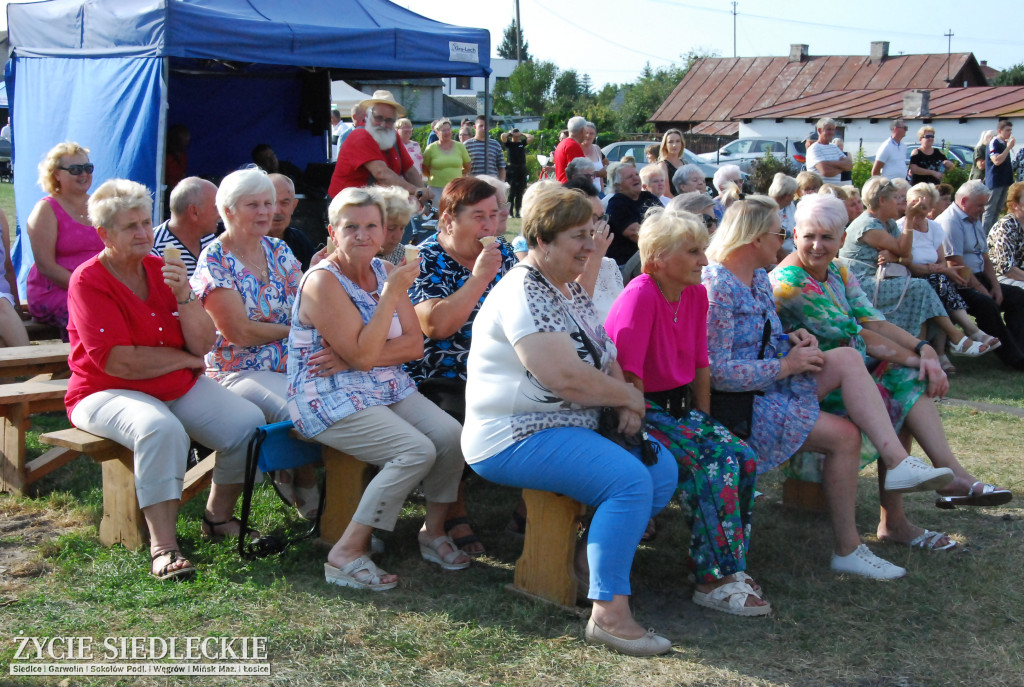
<point x="866" y="564"/>
<point x="913" y="474"/>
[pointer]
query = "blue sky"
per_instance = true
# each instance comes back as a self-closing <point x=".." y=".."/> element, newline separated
<point x="612" y="39"/>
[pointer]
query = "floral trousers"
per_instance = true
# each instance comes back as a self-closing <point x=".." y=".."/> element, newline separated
<point x="718" y="473"/>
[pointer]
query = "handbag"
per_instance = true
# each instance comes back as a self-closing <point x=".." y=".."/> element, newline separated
<point x="608" y="419"/>
<point x="891" y="270"/>
<point x="676" y="402"/>
<point x="735" y="409"/>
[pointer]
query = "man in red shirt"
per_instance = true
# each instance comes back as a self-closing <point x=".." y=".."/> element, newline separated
<point x="570" y="148"/>
<point x="370" y="154"/>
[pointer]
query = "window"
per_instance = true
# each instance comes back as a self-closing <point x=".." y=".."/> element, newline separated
<point x="463" y="83"/>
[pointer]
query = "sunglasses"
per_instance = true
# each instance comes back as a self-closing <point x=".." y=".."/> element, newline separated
<point x="928" y="136"/>
<point x="710" y="221"/>
<point x="76" y="170"/>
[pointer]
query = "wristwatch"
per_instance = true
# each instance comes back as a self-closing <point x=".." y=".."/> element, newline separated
<point x="191" y="297"/>
<point x="919" y="346"/>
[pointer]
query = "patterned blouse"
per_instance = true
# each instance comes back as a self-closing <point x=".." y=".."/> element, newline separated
<point x="440" y="277"/>
<point x="1006" y="244"/>
<point x="786" y="413"/>
<point x="269" y="301"/>
<point x="315" y="403"/>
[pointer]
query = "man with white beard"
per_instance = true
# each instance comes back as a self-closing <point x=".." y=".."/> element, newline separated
<point x="370" y="155"/>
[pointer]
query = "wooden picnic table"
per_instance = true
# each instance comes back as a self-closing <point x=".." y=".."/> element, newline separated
<point x="35" y="359"/>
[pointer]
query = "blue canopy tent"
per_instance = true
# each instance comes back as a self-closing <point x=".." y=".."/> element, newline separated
<point x="113" y="74"/>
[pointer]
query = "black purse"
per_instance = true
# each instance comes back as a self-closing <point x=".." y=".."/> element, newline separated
<point x="676" y="402"/>
<point x="735" y="409"/>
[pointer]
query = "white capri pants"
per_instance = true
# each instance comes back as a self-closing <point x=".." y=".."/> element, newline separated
<point x="411" y="441"/>
<point x="158" y="432"/>
<point x="268" y="390"/>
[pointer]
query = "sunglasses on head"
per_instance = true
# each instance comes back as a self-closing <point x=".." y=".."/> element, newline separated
<point x="75" y="170"/>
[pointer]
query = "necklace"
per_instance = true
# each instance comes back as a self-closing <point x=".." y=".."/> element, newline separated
<point x="117" y="275"/>
<point x="253" y="265"/>
<point x="675" y="315"/>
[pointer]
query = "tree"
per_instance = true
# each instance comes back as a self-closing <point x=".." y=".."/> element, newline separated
<point x="1014" y="76"/>
<point x="526" y="90"/>
<point x="643" y="97"/>
<point x="507" y="49"/>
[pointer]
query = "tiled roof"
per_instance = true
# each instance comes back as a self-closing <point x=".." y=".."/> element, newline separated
<point x="715" y="90"/>
<point x="945" y="103"/>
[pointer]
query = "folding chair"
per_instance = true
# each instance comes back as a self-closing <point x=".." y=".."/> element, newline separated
<point x="272" y="448"/>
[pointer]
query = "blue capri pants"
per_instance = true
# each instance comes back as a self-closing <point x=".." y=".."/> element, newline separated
<point x="583" y="465"/>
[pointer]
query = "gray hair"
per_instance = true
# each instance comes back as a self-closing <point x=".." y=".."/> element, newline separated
<point x="615" y="172"/>
<point x="875" y="190"/>
<point x="782" y="185"/>
<point x="576" y="124"/>
<point x="694" y="202"/>
<point x="974" y="187"/>
<point x="187" y="193"/>
<point x="579" y="165"/>
<point x="684" y="173"/>
<point x="986" y="137"/>
<point x="725" y="173"/>
<point x="243" y="182"/>
<point x="502" y="187"/>
<point x="895" y="123"/>
<point x="118" y="195"/>
<point x="822" y="211"/>
<point x="823" y="122"/>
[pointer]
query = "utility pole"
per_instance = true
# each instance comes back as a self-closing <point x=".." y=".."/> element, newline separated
<point x="733" y="28"/>
<point x="519" y="37"/>
<point x="949" y="50"/>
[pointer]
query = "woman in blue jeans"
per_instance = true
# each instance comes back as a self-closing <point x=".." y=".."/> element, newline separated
<point x="540" y="367"/>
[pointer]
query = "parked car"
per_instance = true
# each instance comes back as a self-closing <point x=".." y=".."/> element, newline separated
<point x="961" y="155"/>
<point x="744" y="151"/>
<point x="616" y="151"/>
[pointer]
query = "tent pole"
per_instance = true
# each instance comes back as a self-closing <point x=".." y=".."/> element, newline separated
<point x="161" y="144"/>
<point x="487" y="115"/>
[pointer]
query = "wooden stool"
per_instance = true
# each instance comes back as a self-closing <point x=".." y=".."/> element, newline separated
<point x="123" y="522"/>
<point x="796" y="493"/>
<point x="545" y="570"/>
<point x="346" y="479"/>
<point x="18" y="402"/>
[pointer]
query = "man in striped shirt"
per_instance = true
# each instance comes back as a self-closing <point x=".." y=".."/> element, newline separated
<point x="193" y="222"/>
<point x="476" y="148"/>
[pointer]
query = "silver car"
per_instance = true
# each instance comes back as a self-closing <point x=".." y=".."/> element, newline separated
<point x="744" y="151"/>
<point x="616" y="151"/>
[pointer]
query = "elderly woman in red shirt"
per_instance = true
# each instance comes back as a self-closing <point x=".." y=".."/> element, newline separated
<point x="138" y="336"/>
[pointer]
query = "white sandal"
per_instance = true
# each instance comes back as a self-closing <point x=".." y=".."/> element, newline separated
<point x="731" y="598"/>
<point x="992" y="342"/>
<point x="349" y="575"/>
<point x="967" y="347"/>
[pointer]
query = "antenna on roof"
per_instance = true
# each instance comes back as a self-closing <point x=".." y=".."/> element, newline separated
<point x="734" y="29"/>
<point x="949" y="50"/>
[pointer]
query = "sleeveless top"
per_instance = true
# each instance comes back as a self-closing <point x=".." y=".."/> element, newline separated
<point x="314" y="402"/>
<point x="598" y="165"/>
<point x="671" y="173"/>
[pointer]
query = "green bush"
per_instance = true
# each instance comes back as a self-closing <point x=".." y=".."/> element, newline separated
<point x="958" y="175"/>
<point x="763" y="171"/>
<point x="861" y="168"/>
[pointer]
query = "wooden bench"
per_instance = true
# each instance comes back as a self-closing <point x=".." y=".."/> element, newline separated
<point x="18" y="401"/>
<point x="34" y="360"/>
<point x="797" y="493"/>
<point x="122" y="521"/>
<point x="345" y="480"/>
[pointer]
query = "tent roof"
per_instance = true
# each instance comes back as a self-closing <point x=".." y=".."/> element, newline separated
<point x="358" y="35"/>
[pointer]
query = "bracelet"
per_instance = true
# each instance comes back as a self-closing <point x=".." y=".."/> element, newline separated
<point x="919" y="346"/>
<point x="191" y="297"/>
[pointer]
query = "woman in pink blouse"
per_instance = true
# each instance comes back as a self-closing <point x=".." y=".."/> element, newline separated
<point x="138" y="336"/>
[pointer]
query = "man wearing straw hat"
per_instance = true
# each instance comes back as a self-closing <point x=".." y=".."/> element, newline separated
<point x="370" y="154"/>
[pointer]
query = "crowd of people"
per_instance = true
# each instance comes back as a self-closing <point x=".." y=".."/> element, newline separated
<point x="638" y="338"/>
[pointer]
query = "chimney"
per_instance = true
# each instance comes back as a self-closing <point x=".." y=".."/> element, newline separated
<point x="879" y="51"/>
<point x="984" y="63"/>
<point x="916" y="104"/>
<point x="798" y="52"/>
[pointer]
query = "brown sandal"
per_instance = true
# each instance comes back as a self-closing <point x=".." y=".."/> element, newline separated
<point x="165" y="573"/>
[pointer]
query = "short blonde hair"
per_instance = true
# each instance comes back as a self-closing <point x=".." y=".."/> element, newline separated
<point x="782" y="185"/>
<point x="649" y="172"/>
<point x="441" y="122"/>
<point x="743" y="223"/>
<point x="355" y="196"/>
<point x="402" y="121"/>
<point x="808" y="181"/>
<point x="924" y="191"/>
<point x="553" y="209"/>
<point x="875" y="190"/>
<point x="924" y="130"/>
<point x="901" y="184"/>
<point x="117" y="195"/>
<point x="1013" y="194"/>
<point x="665" y="232"/>
<point x="49" y="165"/>
<point x="397" y="205"/>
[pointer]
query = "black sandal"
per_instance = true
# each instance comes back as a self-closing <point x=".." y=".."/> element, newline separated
<point x="461" y="542"/>
<point x="164" y="573"/>
<point x="214" y="535"/>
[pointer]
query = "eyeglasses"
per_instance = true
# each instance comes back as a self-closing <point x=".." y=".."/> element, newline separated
<point x="77" y="170"/>
<point x="599" y="218"/>
<point x="710" y="221"/>
<point x="928" y="136"/>
<point x="381" y="120"/>
<point x="780" y="234"/>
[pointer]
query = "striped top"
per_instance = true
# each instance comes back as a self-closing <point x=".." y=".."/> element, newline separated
<point x="163" y="238"/>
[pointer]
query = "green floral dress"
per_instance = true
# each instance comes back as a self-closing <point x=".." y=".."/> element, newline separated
<point x="833" y="311"/>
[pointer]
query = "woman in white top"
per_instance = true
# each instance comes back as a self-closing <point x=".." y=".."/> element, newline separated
<point x="926" y="262"/>
<point x="594" y="154"/>
<point x="540" y="368"/>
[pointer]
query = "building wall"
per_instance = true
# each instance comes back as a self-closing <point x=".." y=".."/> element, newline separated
<point x="870" y="135"/>
<point x="500" y="68"/>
